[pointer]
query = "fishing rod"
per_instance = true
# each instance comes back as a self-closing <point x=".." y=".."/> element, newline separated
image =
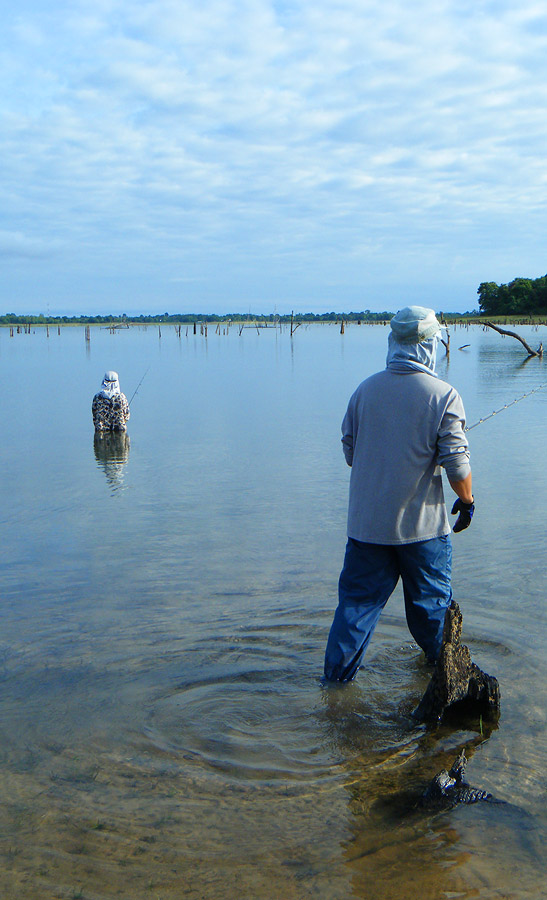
<point x="507" y="405"/>
<point x="139" y="384"/>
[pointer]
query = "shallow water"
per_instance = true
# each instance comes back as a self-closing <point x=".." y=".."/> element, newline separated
<point x="165" y="605"/>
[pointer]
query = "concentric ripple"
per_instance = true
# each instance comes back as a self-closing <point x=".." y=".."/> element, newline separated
<point x="254" y="712"/>
<point x="252" y="725"/>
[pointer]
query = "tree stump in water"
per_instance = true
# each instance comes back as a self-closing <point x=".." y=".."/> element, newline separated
<point x="456" y="679"/>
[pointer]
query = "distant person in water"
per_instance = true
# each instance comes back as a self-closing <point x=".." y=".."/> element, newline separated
<point x="110" y="408"/>
<point x="401" y="426"/>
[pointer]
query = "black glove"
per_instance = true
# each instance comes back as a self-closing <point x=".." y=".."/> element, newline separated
<point x="465" y="511"/>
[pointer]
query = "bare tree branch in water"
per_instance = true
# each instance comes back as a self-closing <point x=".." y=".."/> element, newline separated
<point x="293" y="326"/>
<point x="538" y="352"/>
<point x="446" y="343"/>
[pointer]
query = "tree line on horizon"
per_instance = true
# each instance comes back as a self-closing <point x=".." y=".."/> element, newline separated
<point x="188" y="318"/>
<point x="522" y="296"/>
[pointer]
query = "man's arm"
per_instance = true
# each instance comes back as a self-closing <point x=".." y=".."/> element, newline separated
<point x="453" y="454"/>
<point x="348" y="434"/>
<point x="463" y="489"/>
<point x="452" y="448"/>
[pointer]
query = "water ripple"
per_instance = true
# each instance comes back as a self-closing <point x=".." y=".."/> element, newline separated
<point x="255" y="724"/>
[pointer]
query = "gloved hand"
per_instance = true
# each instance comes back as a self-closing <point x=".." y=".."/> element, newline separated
<point x="465" y="511"/>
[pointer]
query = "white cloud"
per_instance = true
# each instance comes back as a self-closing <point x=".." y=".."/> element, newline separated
<point x="275" y="138"/>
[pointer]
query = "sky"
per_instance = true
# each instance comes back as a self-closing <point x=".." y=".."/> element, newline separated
<point x="269" y="155"/>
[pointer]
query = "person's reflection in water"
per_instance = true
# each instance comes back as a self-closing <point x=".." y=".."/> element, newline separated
<point x="112" y="454"/>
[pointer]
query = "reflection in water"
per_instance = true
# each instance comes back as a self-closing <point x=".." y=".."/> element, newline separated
<point x="112" y="454"/>
<point x="397" y="848"/>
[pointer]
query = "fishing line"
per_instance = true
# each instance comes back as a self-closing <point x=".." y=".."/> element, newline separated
<point x="507" y="405"/>
<point x="139" y="384"/>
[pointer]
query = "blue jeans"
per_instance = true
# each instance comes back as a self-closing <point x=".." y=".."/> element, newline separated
<point x="367" y="580"/>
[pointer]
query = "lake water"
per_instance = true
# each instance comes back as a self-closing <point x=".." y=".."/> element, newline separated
<point x="165" y="606"/>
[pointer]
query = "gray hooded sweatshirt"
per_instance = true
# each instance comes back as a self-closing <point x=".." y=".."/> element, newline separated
<point x="401" y="425"/>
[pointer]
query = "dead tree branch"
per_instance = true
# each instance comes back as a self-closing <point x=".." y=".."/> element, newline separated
<point x="446" y="343"/>
<point x="538" y="352"/>
<point x="293" y="326"/>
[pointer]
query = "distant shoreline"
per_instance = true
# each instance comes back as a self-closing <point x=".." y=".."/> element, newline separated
<point x="270" y="320"/>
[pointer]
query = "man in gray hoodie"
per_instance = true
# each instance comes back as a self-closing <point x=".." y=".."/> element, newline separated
<point x="401" y="425"/>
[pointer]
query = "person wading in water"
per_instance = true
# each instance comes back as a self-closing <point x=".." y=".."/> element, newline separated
<point x="110" y="409"/>
<point x="401" y="425"/>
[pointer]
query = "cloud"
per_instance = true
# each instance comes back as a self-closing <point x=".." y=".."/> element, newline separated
<point x="14" y="245"/>
<point x="292" y="142"/>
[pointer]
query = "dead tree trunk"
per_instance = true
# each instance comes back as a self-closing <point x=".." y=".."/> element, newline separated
<point x="446" y="343"/>
<point x="538" y="352"/>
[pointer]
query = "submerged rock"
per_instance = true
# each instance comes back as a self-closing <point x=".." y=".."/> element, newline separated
<point x="456" y="679"/>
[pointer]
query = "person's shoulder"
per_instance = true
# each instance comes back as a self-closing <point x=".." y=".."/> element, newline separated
<point x="440" y="392"/>
<point x="443" y="387"/>
<point x="371" y="381"/>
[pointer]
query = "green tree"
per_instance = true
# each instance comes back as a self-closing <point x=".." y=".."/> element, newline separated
<point x="488" y="292"/>
<point x="521" y="294"/>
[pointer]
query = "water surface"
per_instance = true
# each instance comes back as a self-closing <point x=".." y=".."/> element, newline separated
<point x="166" y="600"/>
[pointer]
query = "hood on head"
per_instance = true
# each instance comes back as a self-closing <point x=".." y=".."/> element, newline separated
<point x="413" y="340"/>
<point x="420" y="356"/>
<point x="110" y="385"/>
<point x="414" y="324"/>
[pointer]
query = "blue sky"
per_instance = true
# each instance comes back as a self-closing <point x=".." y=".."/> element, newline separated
<point x="236" y="155"/>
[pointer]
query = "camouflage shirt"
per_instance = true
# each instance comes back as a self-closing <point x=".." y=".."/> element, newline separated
<point x="110" y="413"/>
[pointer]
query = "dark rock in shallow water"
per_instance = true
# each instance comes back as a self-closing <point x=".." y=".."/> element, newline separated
<point x="450" y="788"/>
<point x="456" y="679"/>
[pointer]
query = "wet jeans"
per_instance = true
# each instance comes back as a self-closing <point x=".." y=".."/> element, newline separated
<point x="368" y="578"/>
